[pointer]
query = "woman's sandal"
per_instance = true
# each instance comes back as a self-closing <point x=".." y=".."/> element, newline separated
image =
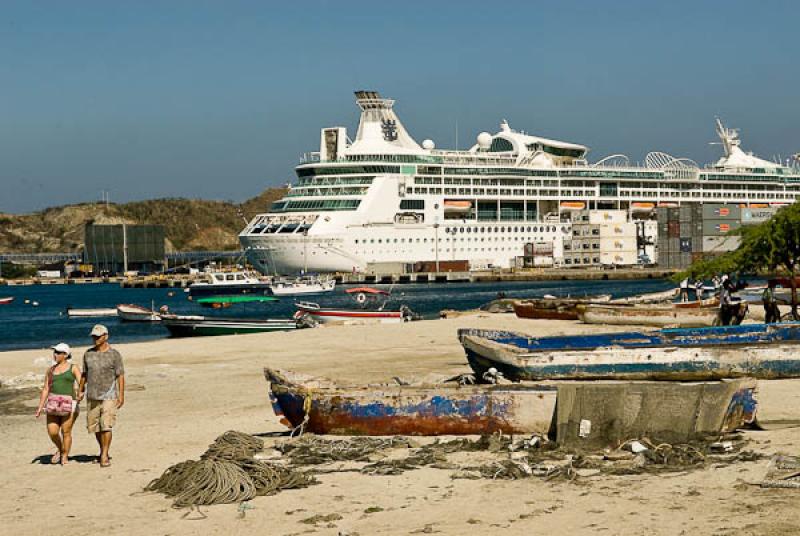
<point x="56" y="459"/>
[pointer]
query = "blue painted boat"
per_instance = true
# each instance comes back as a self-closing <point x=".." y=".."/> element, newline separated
<point x="633" y="409"/>
<point x="758" y="350"/>
<point x="322" y="407"/>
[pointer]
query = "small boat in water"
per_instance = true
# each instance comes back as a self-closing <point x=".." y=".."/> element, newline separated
<point x="323" y="407"/>
<point x="218" y="302"/>
<point x="554" y="308"/>
<point x="647" y="315"/>
<point x="227" y="284"/>
<point x="198" y="326"/>
<point x="6" y="300"/>
<point x="757" y="350"/>
<point x="302" y="286"/>
<point x="371" y="307"/>
<point x="96" y="312"/>
<point x="136" y="313"/>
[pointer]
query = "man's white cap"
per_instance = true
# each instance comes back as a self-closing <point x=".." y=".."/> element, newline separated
<point x="62" y="348"/>
<point x="99" y="330"/>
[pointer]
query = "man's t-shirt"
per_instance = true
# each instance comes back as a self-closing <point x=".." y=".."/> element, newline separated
<point x="101" y="370"/>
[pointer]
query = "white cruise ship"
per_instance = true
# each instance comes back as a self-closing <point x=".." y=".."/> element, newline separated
<point x="384" y="198"/>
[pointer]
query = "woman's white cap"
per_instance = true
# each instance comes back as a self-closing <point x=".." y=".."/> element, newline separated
<point x="62" y="348"/>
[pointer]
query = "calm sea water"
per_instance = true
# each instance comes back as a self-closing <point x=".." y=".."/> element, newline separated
<point x="25" y="326"/>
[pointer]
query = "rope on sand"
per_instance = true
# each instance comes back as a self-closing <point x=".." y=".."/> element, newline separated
<point x="226" y="473"/>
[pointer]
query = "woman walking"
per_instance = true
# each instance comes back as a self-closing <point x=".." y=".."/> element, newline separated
<point x="59" y="403"/>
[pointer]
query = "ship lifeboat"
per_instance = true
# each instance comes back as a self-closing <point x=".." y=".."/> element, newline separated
<point x="754" y="205"/>
<point x="451" y="205"/>
<point x="642" y="207"/>
<point x="573" y="205"/>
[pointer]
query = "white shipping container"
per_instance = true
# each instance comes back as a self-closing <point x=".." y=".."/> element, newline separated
<point x="619" y="243"/>
<point x="618" y="229"/>
<point x="608" y="216"/>
<point x="619" y="258"/>
<point x="720" y="244"/>
<point x="48" y="273"/>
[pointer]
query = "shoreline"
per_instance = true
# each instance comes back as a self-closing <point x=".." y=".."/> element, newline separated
<point x="183" y="393"/>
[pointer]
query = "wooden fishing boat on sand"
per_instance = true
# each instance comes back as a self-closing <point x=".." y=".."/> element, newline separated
<point x="199" y="326"/>
<point x="617" y="410"/>
<point x="554" y="308"/>
<point x="651" y="297"/>
<point x="371" y="306"/>
<point x="323" y="407"/>
<point x="762" y="351"/>
<point x="647" y="315"/>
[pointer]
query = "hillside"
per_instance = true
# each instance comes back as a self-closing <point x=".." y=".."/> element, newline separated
<point x="190" y="224"/>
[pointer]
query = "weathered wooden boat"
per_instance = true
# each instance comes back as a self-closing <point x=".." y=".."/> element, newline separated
<point x="6" y="300"/>
<point x="136" y="313"/>
<point x="85" y="313"/>
<point x="199" y="326"/>
<point x="651" y="297"/>
<point x="554" y="308"/>
<point x="757" y="350"/>
<point x="664" y="412"/>
<point x="647" y="315"/>
<point x="616" y="410"/>
<point x="323" y="407"/>
<point x="695" y="304"/>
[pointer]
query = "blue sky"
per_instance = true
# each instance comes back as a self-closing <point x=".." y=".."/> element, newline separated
<point x="217" y="100"/>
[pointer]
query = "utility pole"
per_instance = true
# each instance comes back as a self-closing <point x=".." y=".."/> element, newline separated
<point x="124" y="248"/>
<point x="436" y="241"/>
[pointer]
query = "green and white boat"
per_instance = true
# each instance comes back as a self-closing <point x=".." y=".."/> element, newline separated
<point x="200" y="326"/>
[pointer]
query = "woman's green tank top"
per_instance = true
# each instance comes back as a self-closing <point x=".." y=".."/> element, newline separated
<point x="64" y="383"/>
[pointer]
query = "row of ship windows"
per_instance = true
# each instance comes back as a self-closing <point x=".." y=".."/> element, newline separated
<point x="778" y="194"/>
<point x="441" y="250"/>
<point x="446" y="239"/>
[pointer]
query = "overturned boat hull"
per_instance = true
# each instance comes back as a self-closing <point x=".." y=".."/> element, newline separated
<point x="442" y="409"/>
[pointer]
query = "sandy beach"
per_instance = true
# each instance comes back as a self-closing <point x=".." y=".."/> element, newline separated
<point x="183" y="393"/>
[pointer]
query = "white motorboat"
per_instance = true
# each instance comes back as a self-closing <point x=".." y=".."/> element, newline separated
<point x="86" y="313"/>
<point x="228" y="284"/>
<point x="302" y="286"/>
<point x="137" y="313"/>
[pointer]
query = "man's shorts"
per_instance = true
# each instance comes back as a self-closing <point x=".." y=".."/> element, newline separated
<point x="102" y="415"/>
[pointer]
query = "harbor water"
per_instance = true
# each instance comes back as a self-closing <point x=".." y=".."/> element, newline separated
<point x="27" y="326"/>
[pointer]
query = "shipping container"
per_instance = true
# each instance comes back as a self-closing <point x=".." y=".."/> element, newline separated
<point x="674" y="230"/>
<point x="685" y="213"/>
<point x="674" y="245"/>
<point x="444" y="266"/>
<point x="757" y="215"/>
<point x="619" y="258"/>
<point x="720" y="244"/>
<point x="715" y="211"/>
<point x="673" y="214"/>
<point x="719" y="227"/>
<point x="686" y="229"/>
<point x="619" y="243"/>
<point x="597" y="217"/>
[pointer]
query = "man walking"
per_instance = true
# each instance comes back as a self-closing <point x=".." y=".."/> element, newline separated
<point x="103" y="381"/>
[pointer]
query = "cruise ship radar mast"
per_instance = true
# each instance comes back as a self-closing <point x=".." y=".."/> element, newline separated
<point x="729" y="137"/>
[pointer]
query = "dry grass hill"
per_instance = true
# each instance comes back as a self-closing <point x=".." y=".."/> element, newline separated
<point x="190" y="224"/>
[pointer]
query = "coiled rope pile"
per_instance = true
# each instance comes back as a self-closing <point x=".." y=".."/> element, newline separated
<point x="227" y="473"/>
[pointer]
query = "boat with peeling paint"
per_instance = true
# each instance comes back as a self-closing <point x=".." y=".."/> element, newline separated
<point x="763" y="351"/>
<point x="324" y="407"/>
<point x="554" y="308"/>
<point x="634" y="409"/>
<point x="647" y="315"/>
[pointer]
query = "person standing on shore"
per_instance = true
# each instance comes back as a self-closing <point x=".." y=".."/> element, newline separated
<point x="685" y="290"/>
<point x="103" y="383"/>
<point x="59" y="402"/>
